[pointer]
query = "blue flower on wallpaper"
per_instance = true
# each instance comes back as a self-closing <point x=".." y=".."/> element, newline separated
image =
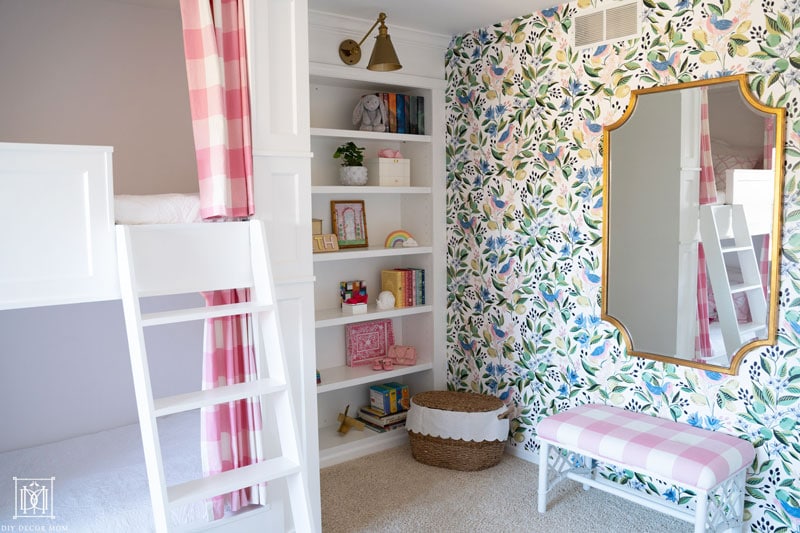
<point x="671" y="495"/>
<point x="548" y="13"/>
<point x="583" y="339"/>
<point x="572" y="376"/>
<point x="563" y="390"/>
<point x="483" y="37"/>
<point x="695" y="420"/>
<point x="582" y="175"/>
<point x="566" y="105"/>
<point x="580" y="320"/>
<point x="713" y="423"/>
<point x="565" y="250"/>
<point x="485" y="294"/>
<point x="484" y="166"/>
<point x="597" y="172"/>
<point x="714" y="376"/>
<point x="491" y="129"/>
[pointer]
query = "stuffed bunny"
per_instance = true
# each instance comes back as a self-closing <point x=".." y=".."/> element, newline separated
<point x="370" y="113"/>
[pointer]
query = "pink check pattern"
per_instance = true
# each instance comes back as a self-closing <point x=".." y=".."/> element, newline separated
<point x="216" y="67"/>
<point x="689" y="456"/>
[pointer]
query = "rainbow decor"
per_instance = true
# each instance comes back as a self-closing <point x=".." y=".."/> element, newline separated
<point x="398" y="239"/>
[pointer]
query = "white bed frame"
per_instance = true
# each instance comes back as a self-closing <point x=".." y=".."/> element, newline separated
<point x="59" y="247"/>
<point x="56" y="208"/>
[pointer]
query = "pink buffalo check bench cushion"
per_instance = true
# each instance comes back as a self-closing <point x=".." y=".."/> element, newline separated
<point x="689" y="456"/>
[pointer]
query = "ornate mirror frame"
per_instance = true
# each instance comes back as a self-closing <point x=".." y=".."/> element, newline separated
<point x="775" y="235"/>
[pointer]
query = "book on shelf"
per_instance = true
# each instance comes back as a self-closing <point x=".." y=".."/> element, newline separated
<point x="394" y="282"/>
<point x="389" y="397"/>
<point x="401" y="114"/>
<point x="384" y="429"/>
<point x="406" y="284"/>
<point x="377" y="417"/>
<point x="405" y="113"/>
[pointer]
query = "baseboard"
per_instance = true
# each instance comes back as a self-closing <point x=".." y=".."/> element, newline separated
<point x="526" y="455"/>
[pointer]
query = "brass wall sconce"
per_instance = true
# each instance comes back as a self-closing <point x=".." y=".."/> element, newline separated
<point x="383" y="57"/>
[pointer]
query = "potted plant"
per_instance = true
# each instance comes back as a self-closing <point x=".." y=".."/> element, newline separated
<point x="353" y="171"/>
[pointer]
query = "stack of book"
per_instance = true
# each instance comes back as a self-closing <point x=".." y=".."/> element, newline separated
<point x="405" y="113"/>
<point x="406" y="284"/>
<point x="380" y="422"/>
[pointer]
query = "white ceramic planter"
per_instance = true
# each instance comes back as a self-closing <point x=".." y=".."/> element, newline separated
<point x="353" y="175"/>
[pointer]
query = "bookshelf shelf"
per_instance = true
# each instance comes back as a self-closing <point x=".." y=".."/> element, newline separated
<point x="346" y="190"/>
<point x="335" y="447"/>
<point x="334" y="317"/>
<point x="341" y="377"/>
<point x="369" y="135"/>
<point x="372" y="251"/>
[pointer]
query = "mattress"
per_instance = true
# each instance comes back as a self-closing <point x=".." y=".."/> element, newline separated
<point x="156" y="208"/>
<point x="100" y="482"/>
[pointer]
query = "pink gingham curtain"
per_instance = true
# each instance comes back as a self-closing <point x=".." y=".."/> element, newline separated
<point x="230" y="432"/>
<point x="216" y="67"/>
<point x="708" y="195"/>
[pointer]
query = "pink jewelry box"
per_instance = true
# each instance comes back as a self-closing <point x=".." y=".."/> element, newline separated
<point x="366" y="342"/>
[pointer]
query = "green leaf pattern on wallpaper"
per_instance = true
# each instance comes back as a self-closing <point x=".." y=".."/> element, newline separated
<point x="524" y="202"/>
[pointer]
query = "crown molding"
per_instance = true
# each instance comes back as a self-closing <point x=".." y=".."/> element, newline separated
<point x="354" y="28"/>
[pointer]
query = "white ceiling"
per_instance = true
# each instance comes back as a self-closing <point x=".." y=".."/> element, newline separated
<point x="445" y="17"/>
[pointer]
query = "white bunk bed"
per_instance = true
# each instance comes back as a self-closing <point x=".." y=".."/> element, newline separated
<point x="742" y="218"/>
<point x="58" y="202"/>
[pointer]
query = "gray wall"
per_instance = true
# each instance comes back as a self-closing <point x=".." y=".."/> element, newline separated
<point x="92" y="72"/>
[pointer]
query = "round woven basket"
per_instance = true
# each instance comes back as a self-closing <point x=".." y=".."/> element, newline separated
<point x="456" y="454"/>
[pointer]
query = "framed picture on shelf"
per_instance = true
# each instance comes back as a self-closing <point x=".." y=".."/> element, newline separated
<point x="349" y="223"/>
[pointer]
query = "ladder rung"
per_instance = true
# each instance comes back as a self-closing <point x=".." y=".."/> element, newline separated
<point x="744" y="287"/>
<point x="731" y="249"/>
<point x="750" y="327"/>
<point x="229" y="393"/>
<point x="231" y="480"/>
<point x="201" y="313"/>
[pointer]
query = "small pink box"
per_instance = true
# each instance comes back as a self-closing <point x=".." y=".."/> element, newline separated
<point x="366" y="342"/>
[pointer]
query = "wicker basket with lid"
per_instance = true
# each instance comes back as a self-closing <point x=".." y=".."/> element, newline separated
<point x="457" y="430"/>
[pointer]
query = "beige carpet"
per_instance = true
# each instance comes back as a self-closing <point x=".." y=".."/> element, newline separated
<point x="390" y="491"/>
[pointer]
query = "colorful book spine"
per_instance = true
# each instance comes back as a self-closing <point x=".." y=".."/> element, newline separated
<point x="412" y="115"/>
<point x="421" y="115"/>
<point x="384" y="429"/>
<point x="391" y="109"/>
<point x="401" y="113"/>
<point x="373" y="416"/>
<point x="394" y="282"/>
<point x="407" y="118"/>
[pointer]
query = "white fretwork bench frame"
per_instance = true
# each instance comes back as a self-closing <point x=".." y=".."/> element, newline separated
<point x="712" y="464"/>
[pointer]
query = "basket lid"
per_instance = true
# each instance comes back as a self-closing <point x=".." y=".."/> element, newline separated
<point x="465" y="402"/>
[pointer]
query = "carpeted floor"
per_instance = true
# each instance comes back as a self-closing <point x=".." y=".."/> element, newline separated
<point x="391" y="492"/>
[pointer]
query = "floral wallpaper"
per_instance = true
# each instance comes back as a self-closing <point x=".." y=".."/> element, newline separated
<point x="525" y="113"/>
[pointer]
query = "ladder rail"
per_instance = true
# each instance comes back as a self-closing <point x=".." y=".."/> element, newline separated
<point x="140" y="370"/>
<point x="271" y="385"/>
<point x="712" y="219"/>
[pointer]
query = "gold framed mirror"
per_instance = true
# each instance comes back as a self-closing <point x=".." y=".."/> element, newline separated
<point x="691" y="233"/>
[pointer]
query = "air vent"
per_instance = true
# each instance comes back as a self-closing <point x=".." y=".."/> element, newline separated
<point x="614" y="23"/>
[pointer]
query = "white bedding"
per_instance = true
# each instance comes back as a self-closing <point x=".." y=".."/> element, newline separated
<point x="157" y="208"/>
<point x="100" y="480"/>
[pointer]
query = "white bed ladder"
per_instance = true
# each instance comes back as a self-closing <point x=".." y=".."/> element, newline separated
<point x="183" y="258"/>
<point x="718" y="223"/>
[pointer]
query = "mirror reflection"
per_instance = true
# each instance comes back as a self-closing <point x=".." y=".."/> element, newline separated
<point x="691" y="231"/>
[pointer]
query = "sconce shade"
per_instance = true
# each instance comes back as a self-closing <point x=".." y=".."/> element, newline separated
<point x="383" y="57"/>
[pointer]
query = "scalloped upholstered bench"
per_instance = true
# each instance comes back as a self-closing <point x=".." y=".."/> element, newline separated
<point x="711" y="464"/>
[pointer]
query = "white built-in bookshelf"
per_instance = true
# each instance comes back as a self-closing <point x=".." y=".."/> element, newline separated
<point x="418" y="209"/>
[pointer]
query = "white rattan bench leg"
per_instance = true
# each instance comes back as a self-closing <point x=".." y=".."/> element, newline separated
<point x="718" y="509"/>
